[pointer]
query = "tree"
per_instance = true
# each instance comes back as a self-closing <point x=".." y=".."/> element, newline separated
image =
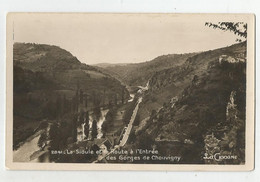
<point x="238" y="28"/>
<point x="115" y="97"/>
<point x="58" y="106"/>
<point x="104" y="97"/>
<point x="81" y="96"/>
<point x="55" y="137"/>
<point x="108" y="121"/>
<point x="86" y="101"/>
<point x="76" y="101"/>
<point x="97" y="112"/>
<point x="42" y="140"/>
<point x="137" y="120"/>
<point x="64" y="105"/>
<point x="80" y="118"/>
<point x="110" y="104"/>
<point x="145" y="141"/>
<point x="94" y="129"/>
<point x="132" y="137"/>
<point x="74" y="127"/>
<point x="123" y="93"/>
<point x="153" y="114"/>
<point x="54" y="131"/>
<point x="86" y="126"/>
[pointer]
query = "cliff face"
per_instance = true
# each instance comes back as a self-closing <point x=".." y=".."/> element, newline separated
<point x="205" y="112"/>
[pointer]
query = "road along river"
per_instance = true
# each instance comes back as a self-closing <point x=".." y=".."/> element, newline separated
<point x="129" y="126"/>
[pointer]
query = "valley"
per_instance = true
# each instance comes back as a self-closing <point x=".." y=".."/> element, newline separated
<point x="179" y="104"/>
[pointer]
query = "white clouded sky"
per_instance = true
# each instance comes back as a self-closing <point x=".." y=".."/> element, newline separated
<point x="118" y="38"/>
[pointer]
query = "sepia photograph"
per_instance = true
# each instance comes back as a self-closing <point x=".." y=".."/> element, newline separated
<point x="126" y="91"/>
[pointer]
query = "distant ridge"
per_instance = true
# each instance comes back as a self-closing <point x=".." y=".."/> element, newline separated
<point x="105" y="65"/>
<point x="134" y="74"/>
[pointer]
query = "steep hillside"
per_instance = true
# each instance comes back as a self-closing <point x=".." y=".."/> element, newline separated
<point x="139" y="73"/>
<point x="206" y="111"/>
<point x="46" y="81"/>
<point x="171" y="82"/>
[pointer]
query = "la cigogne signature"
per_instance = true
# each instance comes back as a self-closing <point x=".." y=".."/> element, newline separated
<point x="219" y="157"/>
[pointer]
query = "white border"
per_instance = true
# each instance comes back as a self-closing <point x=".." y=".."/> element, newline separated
<point x="249" y="150"/>
<point x="189" y="6"/>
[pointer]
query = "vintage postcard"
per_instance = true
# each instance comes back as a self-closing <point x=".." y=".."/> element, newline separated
<point x="115" y="91"/>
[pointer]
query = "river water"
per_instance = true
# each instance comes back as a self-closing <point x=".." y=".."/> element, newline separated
<point x="29" y="151"/>
<point x="127" y="132"/>
<point x="24" y="152"/>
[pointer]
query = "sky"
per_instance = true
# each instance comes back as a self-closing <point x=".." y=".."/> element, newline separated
<point x="120" y="38"/>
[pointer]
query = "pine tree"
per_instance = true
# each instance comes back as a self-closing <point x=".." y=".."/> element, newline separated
<point x="42" y="139"/>
<point x="81" y="96"/>
<point x="74" y="128"/>
<point x="104" y="96"/>
<point x="86" y="101"/>
<point x="123" y="93"/>
<point x="115" y="97"/>
<point x="86" y="126"/>
<point x="77" y="101"/>
<point x="58" y="106"/>
<point x="94" y="129"/>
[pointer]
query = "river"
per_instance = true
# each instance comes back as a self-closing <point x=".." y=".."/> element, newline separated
<point x="26" y="150"/>
<point x="29" y="151"/>
<point x="127" y="132"/>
